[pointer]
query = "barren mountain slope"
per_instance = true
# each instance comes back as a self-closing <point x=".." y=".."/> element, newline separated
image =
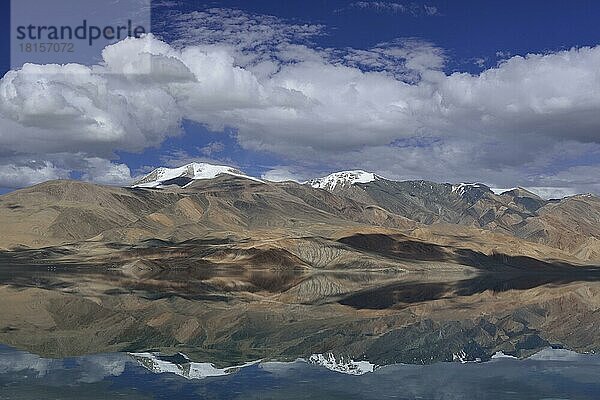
<point x="68" y="211"/>
<point x="569" y="224"/>
<point x="65" y="211"/>
<point x="234" y="269"/>
<point x="224" y="207"/>
<point x="573" y="224"/>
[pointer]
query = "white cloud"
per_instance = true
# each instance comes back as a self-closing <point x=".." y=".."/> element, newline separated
<point x="16" y="176"/>
<point x="552" y="192"/>
<point x="23" y="173"/>
<point x="431" y="10"/>
<point x="380" y="6"/>
<point x="480" y="61"/>
<point x="503" y="54"/>
<point x="506" y="126"/>
<point x="250" y="38"/>
<point x="103" y="171"/>
<point x="280" y="174"/>
<point x="51" y="108"/>
<point x="406" y="59"/>
<point x="577" y="179"/>
<point x="551" y="95"/>
<point x="178" y="157"/>
<point x="412" y="8"/>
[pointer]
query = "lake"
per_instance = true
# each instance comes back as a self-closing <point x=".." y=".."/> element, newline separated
<point x="549" y="374"/>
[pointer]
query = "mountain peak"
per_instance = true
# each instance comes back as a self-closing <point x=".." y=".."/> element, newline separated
<point x="462" y="188"/>
<point x="185" y="174"/>
<point x="521" y="192"/>
<point x="342" y="179"/>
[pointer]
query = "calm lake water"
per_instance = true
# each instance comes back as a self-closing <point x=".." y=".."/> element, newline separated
<point x="550" y="374"/>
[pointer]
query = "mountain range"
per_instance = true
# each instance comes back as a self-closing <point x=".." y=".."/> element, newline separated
<point x="227" y="268"/>
<point x="198" y="199"/>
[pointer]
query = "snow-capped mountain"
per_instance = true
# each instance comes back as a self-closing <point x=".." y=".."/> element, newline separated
<point x="184" y="175"/>
<point x="463" y="188"/>
<point x="471" y="192"/>
<point x="342" y="179"/>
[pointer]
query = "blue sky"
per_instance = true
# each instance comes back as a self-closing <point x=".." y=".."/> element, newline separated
<point x="467" y="29"/>
<point x="440" y="90"/>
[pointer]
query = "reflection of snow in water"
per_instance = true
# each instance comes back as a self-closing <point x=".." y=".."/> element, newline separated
<point x="342" y="364"/>
<point x="14" y="361"/>
<point x="182" y="366"/>
<point x="499" y="354"/>
<point x="95" y="368"/>
<point x="463" y="358"/>
<point x="549" y="374"/>
<point x="186" y="368"/>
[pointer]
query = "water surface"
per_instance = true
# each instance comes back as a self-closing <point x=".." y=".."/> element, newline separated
<point x="550" y="374"/>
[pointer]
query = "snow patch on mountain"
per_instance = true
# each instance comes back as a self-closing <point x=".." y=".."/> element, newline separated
<point x="342" y="179"/>
<point x="500" y="191"/>
<point x="184" y="175"/>
<point x="462" y="188"/>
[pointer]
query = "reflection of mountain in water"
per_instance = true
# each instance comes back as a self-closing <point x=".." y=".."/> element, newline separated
<point x="229" y="315"/>
<point x="180" y="364"/>
<point x="551" y="373"/>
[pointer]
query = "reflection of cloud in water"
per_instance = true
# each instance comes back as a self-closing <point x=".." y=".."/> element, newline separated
<point x="88" y="369"/>
<point x="96" y="368"/>
<point x="548" y="374"/>
<point x="557" y="355"/>
<point x="281" y="367"/>
<point x="15" y="361"/>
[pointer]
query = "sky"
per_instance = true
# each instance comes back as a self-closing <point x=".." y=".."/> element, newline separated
<point x="504" y="93"/>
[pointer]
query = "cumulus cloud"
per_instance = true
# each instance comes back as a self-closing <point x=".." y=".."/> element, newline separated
<point x="577" y="179"/>
<point x="391" y="109"/>
<point x="406" y="58"/>
<point x="21" y="173"/>
<point x="71" y="107"/>
<point x="16" y="176"/>
<point x="552" y="192"/>
<point x="103" y="171"/>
